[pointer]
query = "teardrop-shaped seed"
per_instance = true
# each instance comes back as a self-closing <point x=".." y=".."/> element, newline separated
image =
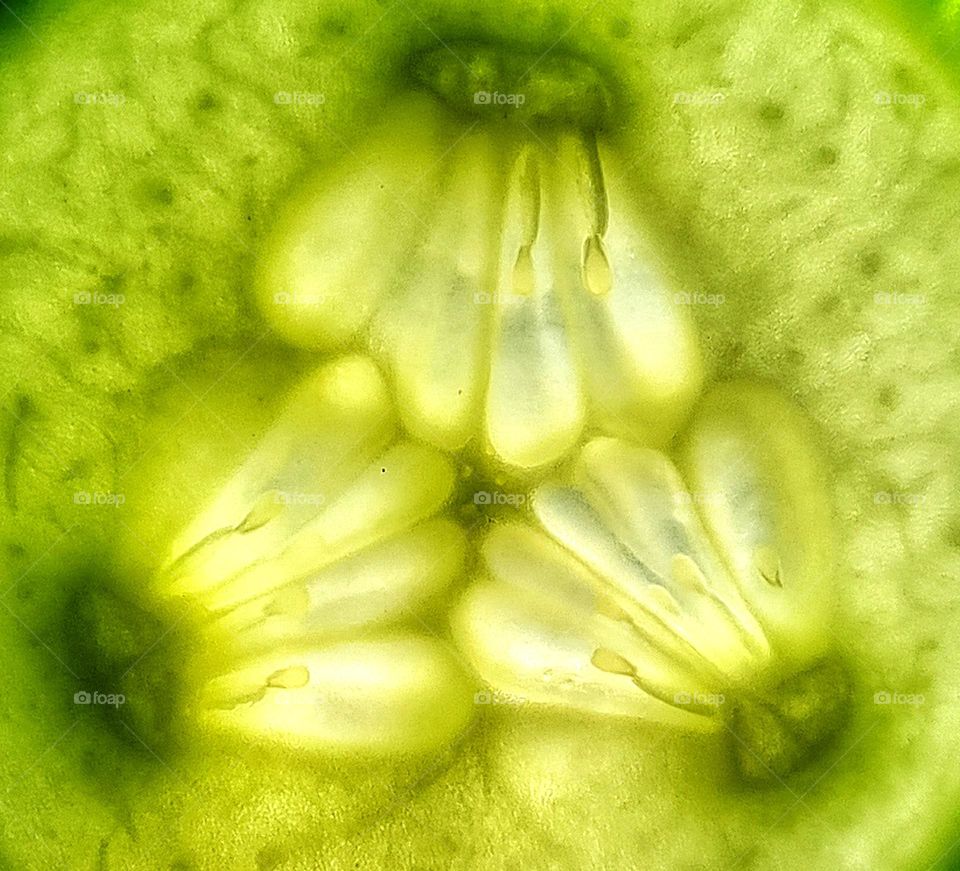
<point x="396" y="694"/>
<point x="636" y="348"/>
<point x="435" y="325"/>
<point x="341" y="239"/>
<point x="769" y="513"/>
<point x="385" y="582"/>
<point x="332" y="425"/>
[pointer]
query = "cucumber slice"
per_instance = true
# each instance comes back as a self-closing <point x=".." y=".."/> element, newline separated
<point x="815" y="222"/>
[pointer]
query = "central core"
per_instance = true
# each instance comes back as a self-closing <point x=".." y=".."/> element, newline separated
<point x="481" y="79"/>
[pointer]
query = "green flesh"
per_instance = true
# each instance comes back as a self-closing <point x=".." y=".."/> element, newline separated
<point x="797" y="198"/>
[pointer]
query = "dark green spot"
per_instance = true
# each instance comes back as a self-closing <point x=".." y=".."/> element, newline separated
<point x="117" y="647"/>
<point x="870" y="263"/>
<point x="207" y="102"/>
<point x="771" y="112"/>
<point x="22" y="411"/>
<point x="16" y="552"/>
<point x="619" y="28"/>
<point x="689" y="30"/>
<point x="335" y="25"/>
<point x="793" y="356"/>
<point x="829" y="303"/>
<point x="515" y="84"/>
<point x="826" y="155"/>
<point x="888" y="397"/>
<point x="791" y="725"/>
<point x="269" y="858"/>
<point x="952" y="534"/>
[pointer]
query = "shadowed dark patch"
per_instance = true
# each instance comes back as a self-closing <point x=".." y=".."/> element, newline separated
<point x="771" y="112"/>
<point x="117" y="647"/>
<point x="619" y="28"/>
<point x="269" y="858"/>
<point x="792" y="725"/>
<point x="207" y="102"/>
<point x="952" y="534"/>
<point x="689" y="30"/>
<point x="20" y="415"/>
<point x="826" y="155"/>
<point x="158" y="193"/>
<point x="829" y="304"/>
<point x="888" y="397"/>
<point x="546" y="88"/>
<point x="870" y="263"/>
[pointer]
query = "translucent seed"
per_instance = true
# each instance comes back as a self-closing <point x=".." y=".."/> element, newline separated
<point x="636" y="348"/>
<point x="391" y="695"/>
<point x="374" y="506"/>
<point x="524" y="280"/>
<point x="383" y="583"/>
<point x="435" y="325"/>
<point x="769" y="512"/>
<point x="534" y="409"/>
<point x="611" y="662"/>
<point x="334" y="422"/>
<point x="338" y="244"/>
<point x="543" y="653"/>
<point x="596" y="273"/>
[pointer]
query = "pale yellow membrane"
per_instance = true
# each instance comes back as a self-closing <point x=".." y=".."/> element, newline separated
<point x="526" y="559"/>
<point x="769" y="513"/>
<point x="641" y="497"/>
<point x="618" y="587"/>
<point x="567" y="515"/>
<point x="636" y="348"/>
<point x="535" y="408"/>
<point x="543" y="655"/>
<point x="395" y="694"/>
<point x="333" y="425"/>
<point x="405" y="485"/>
<point x="383" y="583"/>
<point x="341" y="240"/>
<point x="437" y="330"/>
